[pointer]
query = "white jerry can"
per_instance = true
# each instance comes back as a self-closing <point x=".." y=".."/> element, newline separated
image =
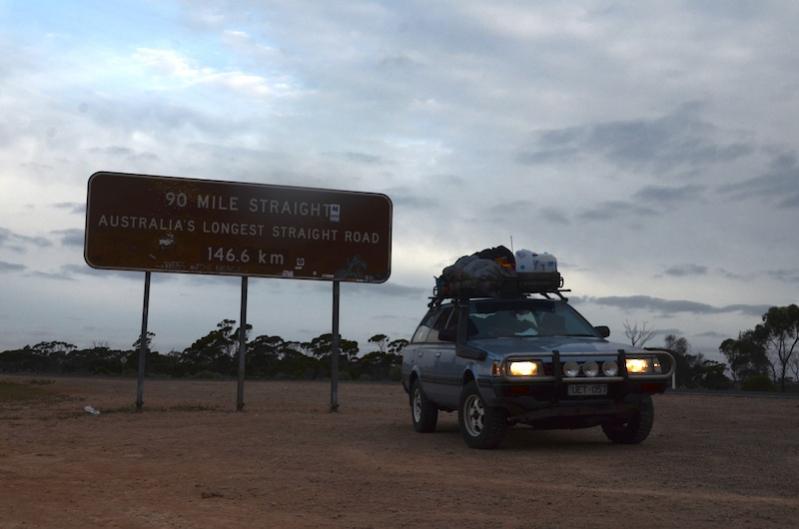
<point x="525" y="261"/>
<point x="545" y="262"/>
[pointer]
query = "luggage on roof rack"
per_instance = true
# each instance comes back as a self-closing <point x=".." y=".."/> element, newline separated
<point x="492" y="273"/>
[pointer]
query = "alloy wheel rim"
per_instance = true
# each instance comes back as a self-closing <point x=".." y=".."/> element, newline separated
<point x="474" y="415"/>
<point x="417" y="405"/>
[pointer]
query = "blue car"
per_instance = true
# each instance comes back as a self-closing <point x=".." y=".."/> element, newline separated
<point x="521" y="359"/>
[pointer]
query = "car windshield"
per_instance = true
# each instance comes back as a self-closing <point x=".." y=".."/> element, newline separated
<point x="522" y="318"/>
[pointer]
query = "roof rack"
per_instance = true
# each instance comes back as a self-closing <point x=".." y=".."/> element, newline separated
<point x="520" y="284"/>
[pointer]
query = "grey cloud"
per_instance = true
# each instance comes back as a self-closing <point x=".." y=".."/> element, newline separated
<point x="733" y="275"/>
<point x="74" y="207"/>
<point x="203" y="279"/>
<point x="614" y="209"/>
<point x="387" y="289"/>
<point x="396" y="317"/>
<point x="502" y="211"/>
<point x="398" y="62"/>
<point x="70" y="237"/>
<point x="686" y="270"/>
<point x="114" y="150"/>
<point x="666" y="195"/>
<point x="70" y="270"/>
<point x="394" y="289"/>
<point x="554" y="215"/>
<point x="711" y="334"/>
<point x="676" y="141"/>
<point x="152" y="114"/>
<point x="40" y="168"/>
<point x="16" y="241"/>
<point x="360" y="157"/>
<point x="666" y="332"/>
<point x="780" y="183"/>
<point x="672" y="306"/>
<point x="449" y="179"/>
<point x="786" y="276"/>
<point x="406" y="197"/>
<point x="11" y="267"/>
<point x="61" y="276"/>
<point x="118" y="151"/>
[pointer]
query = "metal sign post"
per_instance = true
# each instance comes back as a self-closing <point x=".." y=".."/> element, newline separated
<point x="334" y="349"/>
<point x="143" y="344"/>
<point x="242" y="344"/>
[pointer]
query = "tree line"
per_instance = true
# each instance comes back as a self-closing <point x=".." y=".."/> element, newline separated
<point x="215" y="355"/>
<point x="763" y="358"/>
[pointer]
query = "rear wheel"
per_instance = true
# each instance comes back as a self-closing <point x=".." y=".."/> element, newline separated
<point x="481" y="426"/>
<point x="636" y="428"/>
<point x="424" y="413"/>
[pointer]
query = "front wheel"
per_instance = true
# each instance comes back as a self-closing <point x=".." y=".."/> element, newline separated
<point x="424" y="413"/>
<point x="480" y="425"/>
<point x="636" y="428"/>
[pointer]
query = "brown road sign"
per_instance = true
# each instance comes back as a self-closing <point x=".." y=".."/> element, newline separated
<point x="167" y="224"/>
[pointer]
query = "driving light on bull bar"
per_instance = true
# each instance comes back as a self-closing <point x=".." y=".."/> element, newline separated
<point x="610" y="368"/>
<point x="571" y="369"/>
<point x="524" y="368"/>
<point x="590" y="369"/>
<point x="637" y="366"/>
<point x="656" y="365"/>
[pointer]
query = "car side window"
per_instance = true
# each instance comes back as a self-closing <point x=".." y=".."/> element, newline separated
<point x="440" y="323"/>
<point x="424" y="328"/>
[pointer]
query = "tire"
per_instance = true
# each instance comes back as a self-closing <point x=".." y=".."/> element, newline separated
<point x="481" y="426"/>
<point x="636" y="428"/>
<point x="424" y="414"/>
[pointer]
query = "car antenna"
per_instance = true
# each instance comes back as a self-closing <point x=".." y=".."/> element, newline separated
<point x="511" y="244"/>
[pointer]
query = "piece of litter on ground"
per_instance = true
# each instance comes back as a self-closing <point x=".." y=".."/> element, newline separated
<point x="90" y="410"/>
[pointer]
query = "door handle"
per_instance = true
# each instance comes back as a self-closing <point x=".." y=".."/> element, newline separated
<point x="438" y="354"/>
<point x="420" y="353"/>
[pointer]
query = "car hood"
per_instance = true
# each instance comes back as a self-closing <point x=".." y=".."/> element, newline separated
<point x="547" y="344"/>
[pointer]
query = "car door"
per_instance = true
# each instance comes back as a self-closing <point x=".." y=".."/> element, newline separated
<point x="420" y="354"/>
<point x="449" y="369"/>
<point x="443" y="383"/>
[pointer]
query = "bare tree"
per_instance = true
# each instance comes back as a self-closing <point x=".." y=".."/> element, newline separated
<point x="638" y="336"/>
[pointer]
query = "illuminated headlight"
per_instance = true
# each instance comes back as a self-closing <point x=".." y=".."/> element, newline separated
<point x="524" y="368"/>
<point x="637" y="366"/>
<point x="590" y="369"/>
<point x="610" y="368"/>
<point x="571" y="369"/>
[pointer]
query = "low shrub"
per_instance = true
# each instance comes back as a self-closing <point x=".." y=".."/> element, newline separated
<point x="758" y="383"/>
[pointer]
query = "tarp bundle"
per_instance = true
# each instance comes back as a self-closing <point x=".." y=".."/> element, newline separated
<point x="491" y="273"/>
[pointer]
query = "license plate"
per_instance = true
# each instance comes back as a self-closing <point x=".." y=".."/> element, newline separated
<point x="587" y="390"/>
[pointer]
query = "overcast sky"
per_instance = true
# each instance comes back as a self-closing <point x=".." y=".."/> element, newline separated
<point x="650" y="146"/>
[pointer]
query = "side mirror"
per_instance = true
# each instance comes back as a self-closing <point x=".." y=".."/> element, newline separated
<point x="450" y="334"/>
<point x="603" y="330"/>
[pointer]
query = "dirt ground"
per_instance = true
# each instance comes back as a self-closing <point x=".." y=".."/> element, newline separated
<point x="190" y="461"/>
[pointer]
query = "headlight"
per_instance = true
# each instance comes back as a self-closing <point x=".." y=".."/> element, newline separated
<point x="590" y="369"/>
<point x="571" y="369"/>
<point x="637" y="366"/>
<point x="524" y="368"/>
